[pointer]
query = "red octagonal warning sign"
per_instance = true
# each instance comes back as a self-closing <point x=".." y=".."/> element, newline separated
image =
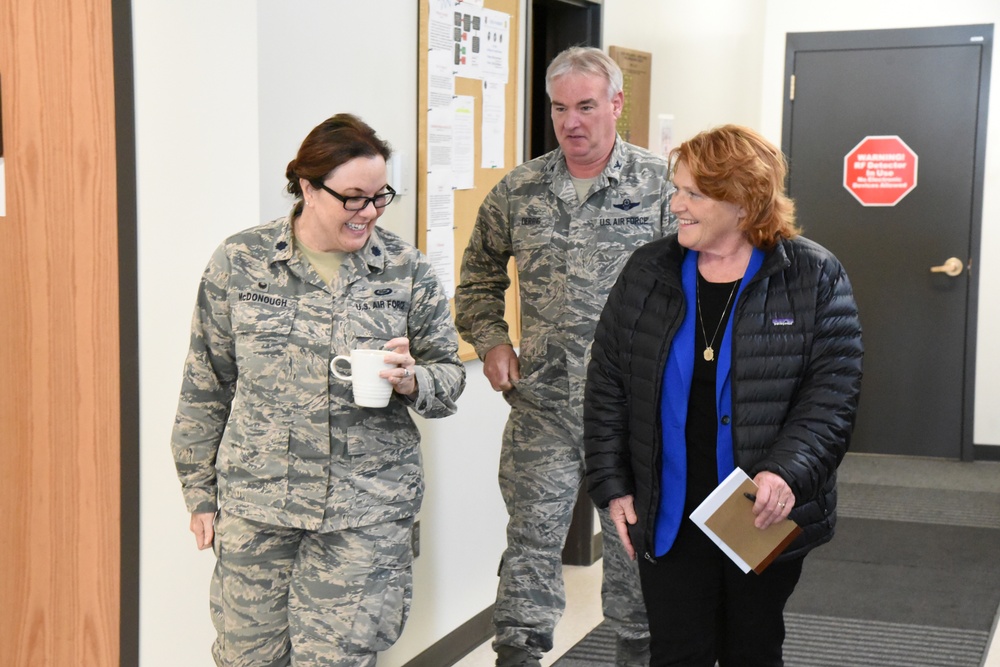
<point x="880" y="171"/>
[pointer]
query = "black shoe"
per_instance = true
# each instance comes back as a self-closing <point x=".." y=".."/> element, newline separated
<point x="514" y="656"/>
<point x="632" y="652"/>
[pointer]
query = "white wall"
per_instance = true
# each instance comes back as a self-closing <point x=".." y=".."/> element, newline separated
<point x="462" y="521"/>
<point x="784" y="16"/>
<point x="224" y="93"/>
<point x="323" y="58"/>
<point x="196" y="128"/>
<point x="706" y="66"/>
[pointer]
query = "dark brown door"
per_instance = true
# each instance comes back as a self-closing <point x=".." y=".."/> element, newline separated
<point x="928" y="88"/>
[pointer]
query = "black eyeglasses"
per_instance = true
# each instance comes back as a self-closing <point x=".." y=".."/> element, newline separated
<point x="380" y="200"/>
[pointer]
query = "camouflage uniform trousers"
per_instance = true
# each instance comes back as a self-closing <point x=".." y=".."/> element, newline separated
<point x="621" y="599"/>
<point x="285" y="596"/>
<point x="541" y="472"/>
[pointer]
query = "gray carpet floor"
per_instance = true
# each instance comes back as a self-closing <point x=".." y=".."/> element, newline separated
<point x="912" y="577"/>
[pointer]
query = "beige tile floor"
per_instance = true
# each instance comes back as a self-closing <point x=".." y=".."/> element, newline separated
<point x="583" y="614"/>
<point x="993" y="653"/>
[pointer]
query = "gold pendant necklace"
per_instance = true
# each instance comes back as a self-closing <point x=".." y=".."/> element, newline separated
<point x="709" y="353"/>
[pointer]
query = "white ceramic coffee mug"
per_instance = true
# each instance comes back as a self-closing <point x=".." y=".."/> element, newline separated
<point x="370" y="390"/>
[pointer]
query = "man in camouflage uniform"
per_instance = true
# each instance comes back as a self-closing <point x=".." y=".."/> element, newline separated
<point x="570" y="219"/>
<point x="313" y="497"/>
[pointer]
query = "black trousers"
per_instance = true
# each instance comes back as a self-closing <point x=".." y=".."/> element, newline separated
<point x="702" y="608"/>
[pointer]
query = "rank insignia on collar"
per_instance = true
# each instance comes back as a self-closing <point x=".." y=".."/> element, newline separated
<point x="376" y="250"/>
<point x="618" y="165"/>
<point x="626" y="205"/>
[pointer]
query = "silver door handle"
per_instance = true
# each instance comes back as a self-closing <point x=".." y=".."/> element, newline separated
<point x="952" y="267"/>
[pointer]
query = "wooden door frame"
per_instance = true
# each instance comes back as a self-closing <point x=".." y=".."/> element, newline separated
<point x="69" y="409"/>
<point x="965" y="35"/>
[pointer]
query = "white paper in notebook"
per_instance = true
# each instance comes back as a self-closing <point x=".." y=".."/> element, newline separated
<point x="713" y="502"/>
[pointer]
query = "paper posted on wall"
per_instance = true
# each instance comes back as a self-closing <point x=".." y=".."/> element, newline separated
<point x="726" y="516"/>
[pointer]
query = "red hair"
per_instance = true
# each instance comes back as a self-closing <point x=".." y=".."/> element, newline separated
<point x="737" y="165"/>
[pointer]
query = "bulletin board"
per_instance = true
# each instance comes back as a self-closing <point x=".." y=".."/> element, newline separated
<point x="468" y="201"/>
<point x="637" y="67"/>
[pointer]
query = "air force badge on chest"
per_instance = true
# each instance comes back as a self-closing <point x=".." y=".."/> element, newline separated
<point x="626" y="204"/>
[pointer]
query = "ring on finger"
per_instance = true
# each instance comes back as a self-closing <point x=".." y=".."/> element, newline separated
<point x="406" y="372"/>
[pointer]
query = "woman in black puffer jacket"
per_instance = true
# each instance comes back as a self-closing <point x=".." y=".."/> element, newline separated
<point x="733" y="343"/>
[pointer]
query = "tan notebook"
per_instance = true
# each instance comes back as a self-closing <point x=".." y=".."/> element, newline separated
<point x="727" y="517"/>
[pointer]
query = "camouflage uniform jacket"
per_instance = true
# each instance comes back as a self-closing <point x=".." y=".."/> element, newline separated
<point x="262" y="429"/>
<point x="568" y="254"/>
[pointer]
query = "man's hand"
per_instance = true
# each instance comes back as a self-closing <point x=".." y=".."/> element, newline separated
<point x="623" y="514"/>
<point x="202" y="525"/>
<point x="501" y="367"/>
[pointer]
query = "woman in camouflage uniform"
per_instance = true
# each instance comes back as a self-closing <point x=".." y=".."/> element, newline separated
<point x="308" y="499"/>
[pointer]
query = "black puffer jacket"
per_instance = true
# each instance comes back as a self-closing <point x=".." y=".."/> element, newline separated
<point x="796" y="377"/>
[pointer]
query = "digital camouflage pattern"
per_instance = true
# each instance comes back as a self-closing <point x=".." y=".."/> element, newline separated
<point x="299" y="474"/>
<point x="568" y="255"/>
<point x="332" y="599"/>
<point x="623" y="607"/>
<point x="263" y="429"/>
